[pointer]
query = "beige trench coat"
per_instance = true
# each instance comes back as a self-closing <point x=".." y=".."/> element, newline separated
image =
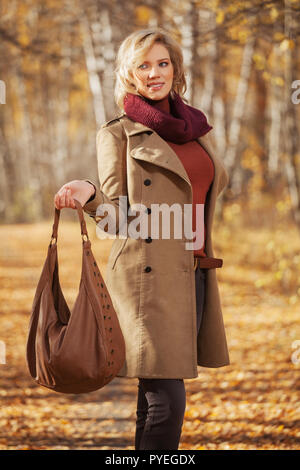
<point x="157" y="307"/>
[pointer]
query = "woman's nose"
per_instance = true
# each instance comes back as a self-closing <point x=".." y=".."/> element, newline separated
<point x="154" y="72"/>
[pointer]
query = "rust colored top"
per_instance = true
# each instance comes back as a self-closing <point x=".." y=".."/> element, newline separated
<point x="200" y="170"/>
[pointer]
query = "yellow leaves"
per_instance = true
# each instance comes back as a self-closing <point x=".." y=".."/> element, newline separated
<point x="214" y="5"/>
<point x="274" y="13"/>
<point x="267" y="76"/>
<point x="294" y="299"/>
<point x="260" y="282"/>
<point x="143" y="14"/>
<point x="283" y="264"/>
<point x="243" y="35"/>
<point x="64" y="421"/>
<point x="232" y="211"/>
<point x="24" y="38"/>
<point x="270" y="245"/>
<point x="192" y="412"/>
<point x="283" y="206"/>
<point x="278" y="36"/>
<point x="233" y="7"/>
<point x="259" y="60"/>
<point x="239" y="33"/>
<point x="268" y="258"/>
<point x="287" y="44"/>
<point x="251" y="160"/>
<point x="251" y="404"/>
<point x="277" y="81"/>
<point x="220" y="17"/>
<point x="23" y="34"/>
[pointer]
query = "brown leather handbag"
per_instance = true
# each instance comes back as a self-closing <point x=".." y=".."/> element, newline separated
<point x="78" y="351"/>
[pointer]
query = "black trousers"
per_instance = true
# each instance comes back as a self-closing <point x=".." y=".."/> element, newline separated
<point x="161" y="402"/>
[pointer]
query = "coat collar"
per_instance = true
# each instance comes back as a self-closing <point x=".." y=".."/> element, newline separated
<point x="154" y="149"/>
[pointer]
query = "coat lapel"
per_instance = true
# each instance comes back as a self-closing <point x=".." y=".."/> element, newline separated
<point x="152" y="148"/>
<point x="155" y="150"/>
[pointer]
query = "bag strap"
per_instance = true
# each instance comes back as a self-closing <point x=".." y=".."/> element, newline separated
<point x="81" y="219"/>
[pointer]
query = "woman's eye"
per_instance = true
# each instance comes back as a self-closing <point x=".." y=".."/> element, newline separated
<point x="142" y="66"/>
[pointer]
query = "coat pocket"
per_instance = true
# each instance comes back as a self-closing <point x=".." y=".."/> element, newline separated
<point x="116" y="249"/>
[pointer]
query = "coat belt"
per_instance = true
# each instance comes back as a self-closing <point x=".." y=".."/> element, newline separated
<point x="207" y="262"/>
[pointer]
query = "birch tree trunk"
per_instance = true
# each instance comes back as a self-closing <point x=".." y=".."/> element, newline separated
<point x="8" y="179"/>
<point x="291" y="139"/>
<point x="208" y="59"/>
<point x="212" y="102"/>
<point x="62" y="108"/>
<point x="190" y="47"/>
<point x="99" y="56"/>
<point x="238" y="111"/>
<point x="25" y="141"/>
<point x="187" y="24"/>
<point x="276" y="99"/>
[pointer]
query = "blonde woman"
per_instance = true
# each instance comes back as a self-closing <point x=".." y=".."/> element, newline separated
<point x="158" y="151"/>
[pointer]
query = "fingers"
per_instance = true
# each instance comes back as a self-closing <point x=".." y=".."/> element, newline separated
<point x="63" y="199"/>
<point x="70" y="200"/>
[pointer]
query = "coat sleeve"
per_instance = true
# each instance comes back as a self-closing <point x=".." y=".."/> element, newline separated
<point x="112" y="173"/>
<point x="224" y="180"/>
<point x="224" y="176"/>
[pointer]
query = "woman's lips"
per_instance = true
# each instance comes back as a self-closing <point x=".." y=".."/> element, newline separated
<point x="156" y="87"/>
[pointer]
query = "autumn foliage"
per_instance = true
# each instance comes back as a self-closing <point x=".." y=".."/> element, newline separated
<point x="56" y="89"/>
<point x="251" y="404"/>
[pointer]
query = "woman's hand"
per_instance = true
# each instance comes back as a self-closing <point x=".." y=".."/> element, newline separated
<point x="78" y="189"/>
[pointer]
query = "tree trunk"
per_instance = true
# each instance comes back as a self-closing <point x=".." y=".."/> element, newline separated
<point x="94" y="58"/>
<point x="275" y="115"/>
<point x="291" y="140"/>
<point x="238" y="112"/>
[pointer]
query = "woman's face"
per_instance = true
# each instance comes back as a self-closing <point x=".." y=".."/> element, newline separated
<point x="157" y="68"/>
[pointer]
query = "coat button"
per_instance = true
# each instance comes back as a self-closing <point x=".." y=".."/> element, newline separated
<point x="147" y="182"/>
<point x="148" y="210"/>
<point x="148" y="240"/>
<point x="148" y="269"/>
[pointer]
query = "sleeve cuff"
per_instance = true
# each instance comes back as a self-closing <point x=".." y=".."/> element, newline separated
<point x="90" y="207"/>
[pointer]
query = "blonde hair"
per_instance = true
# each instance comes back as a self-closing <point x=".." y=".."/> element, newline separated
<point x="131" y="54"/>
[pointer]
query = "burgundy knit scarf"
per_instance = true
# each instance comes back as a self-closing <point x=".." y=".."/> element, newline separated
<point x="183" y="124"/>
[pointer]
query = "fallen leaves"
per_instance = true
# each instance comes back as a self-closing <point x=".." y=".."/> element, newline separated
<point x="251" y="404"/>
